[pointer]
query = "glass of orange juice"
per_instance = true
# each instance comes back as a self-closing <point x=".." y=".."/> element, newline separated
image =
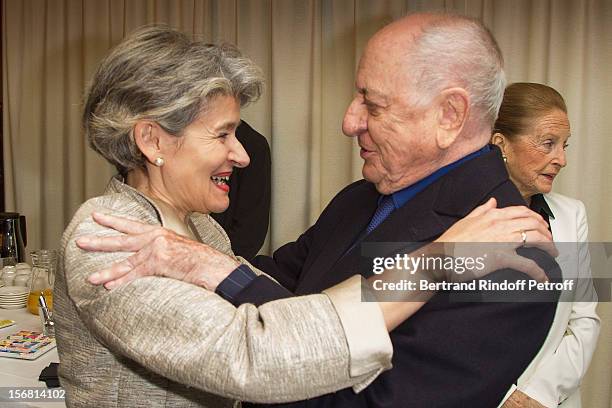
<point x="41" y="282"/>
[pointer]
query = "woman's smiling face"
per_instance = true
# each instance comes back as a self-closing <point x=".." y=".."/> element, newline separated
<point x="197" y="168"/>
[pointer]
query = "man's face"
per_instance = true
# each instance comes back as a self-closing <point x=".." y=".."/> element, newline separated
<point x="396" y="138"/>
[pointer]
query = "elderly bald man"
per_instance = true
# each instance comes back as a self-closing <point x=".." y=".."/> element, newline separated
<point x="429" y="87"/>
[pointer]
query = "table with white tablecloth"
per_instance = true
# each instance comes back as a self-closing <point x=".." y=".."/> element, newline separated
<point x="17" y="373"/>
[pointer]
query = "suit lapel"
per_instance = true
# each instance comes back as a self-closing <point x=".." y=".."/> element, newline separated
<point x="417" y="221"/>
<point x="459" y="194"/>
<point x="359" y="208"/>
<point x="422" y="219"/>
<point x="414" y="222"/>
<point x="452" y="197"/>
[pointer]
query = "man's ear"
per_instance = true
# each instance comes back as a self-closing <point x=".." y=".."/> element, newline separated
<point x="453" y="109"/>
<point x="499" y="140"/>
<point x="147" y="138"/>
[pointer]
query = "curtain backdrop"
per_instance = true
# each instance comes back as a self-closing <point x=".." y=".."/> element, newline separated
<point x="308" y="50"/>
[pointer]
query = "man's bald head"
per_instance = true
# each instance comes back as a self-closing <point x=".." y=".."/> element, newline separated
<point x="438" y="51"/>
<point x="404" y="29"/>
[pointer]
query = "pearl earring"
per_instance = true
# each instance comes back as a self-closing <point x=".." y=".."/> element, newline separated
<point x="505" y="158"/>
<point x="159" y="162"/>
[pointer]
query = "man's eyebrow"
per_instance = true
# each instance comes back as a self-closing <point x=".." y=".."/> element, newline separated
<point x="370" y="93"/>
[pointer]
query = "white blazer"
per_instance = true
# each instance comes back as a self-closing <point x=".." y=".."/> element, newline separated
<point x="554" y="376"/>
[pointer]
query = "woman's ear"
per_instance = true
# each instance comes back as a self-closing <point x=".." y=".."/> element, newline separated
<point x="147" y="138"/>
<point x="499" y="140"/>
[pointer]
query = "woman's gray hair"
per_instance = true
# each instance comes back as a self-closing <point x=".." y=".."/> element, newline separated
<point x="456" y="50"/>
<point x="160" y="74"/>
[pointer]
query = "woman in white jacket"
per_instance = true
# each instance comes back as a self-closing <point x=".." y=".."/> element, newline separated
<point x="532" y="131"/>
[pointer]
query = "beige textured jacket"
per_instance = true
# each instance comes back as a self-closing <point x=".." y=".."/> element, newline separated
<point x="159" y="342"/>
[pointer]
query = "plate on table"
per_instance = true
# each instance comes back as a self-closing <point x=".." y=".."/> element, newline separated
<point x="6" y="301"/>
<point x="10" y="307"/>
<point x="13" y="305"/>
<point x="10" y="297"/>
<point x="13" y="291"/>
<point x="12" y="301"/>
<point x="7" y="297"/>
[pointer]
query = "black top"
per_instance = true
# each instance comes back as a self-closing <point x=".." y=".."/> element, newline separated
<point x="539" y="205"/>
<point x="246" y="219"/>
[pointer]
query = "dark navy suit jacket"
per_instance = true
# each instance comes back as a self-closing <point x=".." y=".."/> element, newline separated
<point x="449" y="354"/>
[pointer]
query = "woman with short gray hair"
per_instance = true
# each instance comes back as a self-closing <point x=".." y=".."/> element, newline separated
<point x="160" y="75"/>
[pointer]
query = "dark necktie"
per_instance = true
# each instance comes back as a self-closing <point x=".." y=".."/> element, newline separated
<point x="385" y="208"/>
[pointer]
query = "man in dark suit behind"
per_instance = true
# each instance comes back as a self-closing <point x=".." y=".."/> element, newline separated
<point x="428" y="91"/>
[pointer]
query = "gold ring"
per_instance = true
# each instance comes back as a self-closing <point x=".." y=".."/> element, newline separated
<point x="524" y="237"/>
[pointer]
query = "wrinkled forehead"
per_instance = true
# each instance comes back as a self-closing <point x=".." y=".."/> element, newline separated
<point x="386" y="56"/>
<point x="382" y="69"/>
<point x="553" y="123"/>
